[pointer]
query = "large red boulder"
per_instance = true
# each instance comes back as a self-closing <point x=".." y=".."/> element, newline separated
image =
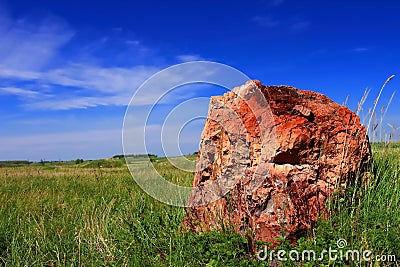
<point x="270" y="157"/>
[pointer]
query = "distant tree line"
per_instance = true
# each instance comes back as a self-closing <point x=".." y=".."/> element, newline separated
<point x="135" y="156"/>
<point x="6" y="163"/>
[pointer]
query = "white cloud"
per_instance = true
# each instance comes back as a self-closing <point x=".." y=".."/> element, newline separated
<point x="360" y="49"/>
<point x="83" y="86"/>
<point x="185" y="58"/>
<point x="73" y="103"/>
<point x="29" y="45"/>
<point x="19" y="92"/>
<point x="64" y="136"/>
<point x="89" y="86"/>
<point x="34" y="68"/>
<point x="9" y="73"/>
<point x="106" y="80"/>
<point x="62" y="145"/>
<point x="27" y="53"/>
<point x="132" y="42"/>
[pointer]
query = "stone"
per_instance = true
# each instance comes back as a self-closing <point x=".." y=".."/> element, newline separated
<point x="269" y="159"/>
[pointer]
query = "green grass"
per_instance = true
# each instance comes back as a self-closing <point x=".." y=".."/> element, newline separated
<point x="368" y="215"/>
<point x="84" y="215"/>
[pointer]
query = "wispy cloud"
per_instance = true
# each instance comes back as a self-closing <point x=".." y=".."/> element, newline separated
<point x="30" y="67"/>
<point x="19" y="92"/>
<point x="29" y="51"/>
<point x="28" y="45"/>
<point x="186" y="58"/>
<point x="64" y="146"/>
<point x="132" y="42"/>
<point x="292" y="24"/>
<point x="82" y="86"/>
<point x="94" y="79"/>
<point x="77" y="86"/>
<point x="45" y="66"/>
<point x="266" y="21"/>
<point x="360" y="49"/>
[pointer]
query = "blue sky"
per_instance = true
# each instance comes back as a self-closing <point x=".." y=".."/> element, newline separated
<point x="68" y="69"/>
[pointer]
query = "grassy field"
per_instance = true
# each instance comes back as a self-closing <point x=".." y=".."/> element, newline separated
<point x="94" y="214"/>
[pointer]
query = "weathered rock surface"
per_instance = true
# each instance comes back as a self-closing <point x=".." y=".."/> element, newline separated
<point x="269" y="158"/>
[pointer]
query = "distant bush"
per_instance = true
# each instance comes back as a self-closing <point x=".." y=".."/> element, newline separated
<point x="104" y="163"/>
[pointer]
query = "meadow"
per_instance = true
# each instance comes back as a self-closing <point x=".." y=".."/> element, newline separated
<point x="94" y="214"/>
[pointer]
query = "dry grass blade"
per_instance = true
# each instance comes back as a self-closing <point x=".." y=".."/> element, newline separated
<point x="377" y="100"/>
